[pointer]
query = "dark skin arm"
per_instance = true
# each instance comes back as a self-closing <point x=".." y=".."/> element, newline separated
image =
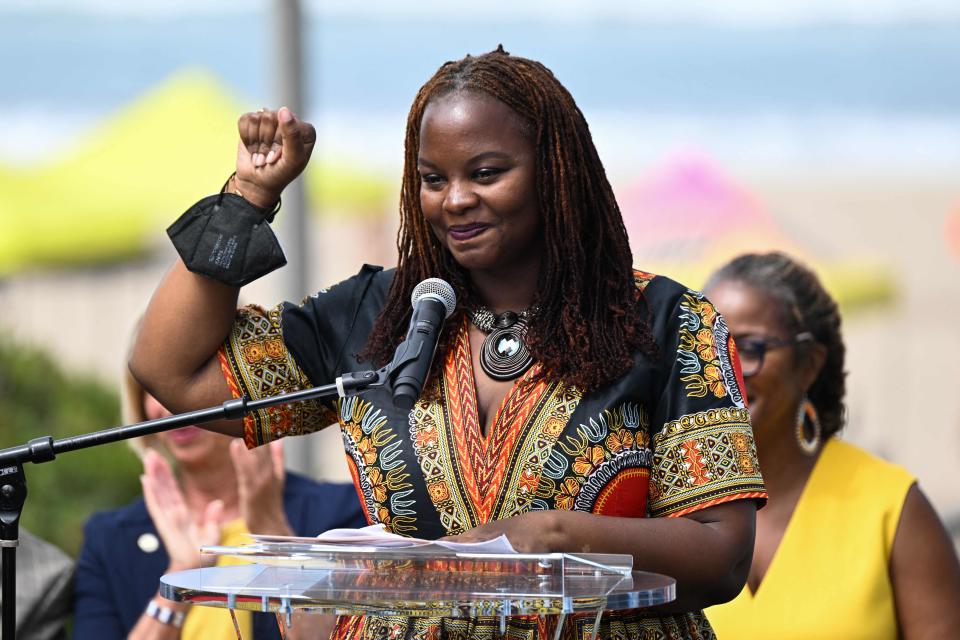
<point x="708" y="551"/>
<point x="175" y="353"/>
<point x="925" y="573"/>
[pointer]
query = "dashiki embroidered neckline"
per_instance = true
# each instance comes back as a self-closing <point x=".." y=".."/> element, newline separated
<point x="504" y="355"/>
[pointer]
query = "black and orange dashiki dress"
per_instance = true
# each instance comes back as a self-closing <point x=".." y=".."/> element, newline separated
<point x="670" y="437"/>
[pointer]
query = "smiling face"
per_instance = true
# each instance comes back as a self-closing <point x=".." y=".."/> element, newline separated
<point x="477" y="165"/>
<point x="775" y="391"/>
<point x="188" y="445"/>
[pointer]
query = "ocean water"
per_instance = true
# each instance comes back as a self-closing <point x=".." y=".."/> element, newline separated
<point x="843" y="96"/>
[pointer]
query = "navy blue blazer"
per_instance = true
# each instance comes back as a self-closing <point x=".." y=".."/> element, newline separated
<point x="115" y="578"/>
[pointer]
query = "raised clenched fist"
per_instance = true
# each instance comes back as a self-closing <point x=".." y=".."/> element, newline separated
<point x="274" y="148"/>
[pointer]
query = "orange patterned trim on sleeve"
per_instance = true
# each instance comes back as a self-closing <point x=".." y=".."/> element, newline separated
<point x="256" y="364"/>
<point x="248" y="422"/>
<point x="746" y="495"/>
<point x="704" y="459"/>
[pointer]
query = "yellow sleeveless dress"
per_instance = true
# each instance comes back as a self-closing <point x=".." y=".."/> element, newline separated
<point x="210" y="623"/>
<point x="829" y="577"/>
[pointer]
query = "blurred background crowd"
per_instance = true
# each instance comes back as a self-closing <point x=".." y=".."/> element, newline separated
<point x="829" y="129"/>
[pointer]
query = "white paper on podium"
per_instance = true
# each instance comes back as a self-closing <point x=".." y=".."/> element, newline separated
<point x="377" y="537"/>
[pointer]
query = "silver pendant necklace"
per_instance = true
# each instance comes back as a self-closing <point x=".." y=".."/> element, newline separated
<point x="504" y="354"/>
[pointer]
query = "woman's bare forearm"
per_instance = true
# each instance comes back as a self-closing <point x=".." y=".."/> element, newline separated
<point x="708" y="552"/>
<point x="175" y="354"/>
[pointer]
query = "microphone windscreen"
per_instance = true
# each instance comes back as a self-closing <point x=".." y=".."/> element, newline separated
<point x="436" y="288"/>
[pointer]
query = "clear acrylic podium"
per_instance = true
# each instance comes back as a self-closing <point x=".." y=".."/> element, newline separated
<point x="417" y="581"/>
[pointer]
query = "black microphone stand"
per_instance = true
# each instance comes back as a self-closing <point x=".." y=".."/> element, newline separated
<point x="13" y="483"/>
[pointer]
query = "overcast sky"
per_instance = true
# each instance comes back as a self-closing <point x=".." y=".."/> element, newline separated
<point x="737" y="12"/>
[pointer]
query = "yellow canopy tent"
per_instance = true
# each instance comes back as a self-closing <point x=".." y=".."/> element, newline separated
<point x="107" y="198"/>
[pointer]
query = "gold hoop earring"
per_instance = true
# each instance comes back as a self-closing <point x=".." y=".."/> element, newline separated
<point x="807" y="412"/>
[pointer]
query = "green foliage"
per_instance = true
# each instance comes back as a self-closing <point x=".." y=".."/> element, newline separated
<point x="37" y="399"/>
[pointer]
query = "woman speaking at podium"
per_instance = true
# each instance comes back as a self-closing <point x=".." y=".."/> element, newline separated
<point x="575" y="403"/>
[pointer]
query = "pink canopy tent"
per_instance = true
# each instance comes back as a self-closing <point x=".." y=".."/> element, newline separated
<point x="690" y="210"/>
<point x="688" y="217"/>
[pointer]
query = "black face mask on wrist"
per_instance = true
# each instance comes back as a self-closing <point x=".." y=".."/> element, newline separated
<point x="226" y="238"/>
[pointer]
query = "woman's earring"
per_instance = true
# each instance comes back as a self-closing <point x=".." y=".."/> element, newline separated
<point x="807" y="413"/>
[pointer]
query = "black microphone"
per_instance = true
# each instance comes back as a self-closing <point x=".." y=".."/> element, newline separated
<point x="433" y="301"/>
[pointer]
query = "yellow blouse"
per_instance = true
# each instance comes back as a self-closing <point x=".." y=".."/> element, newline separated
<point x="210" y="623"/>
<point x="829" y="577"/>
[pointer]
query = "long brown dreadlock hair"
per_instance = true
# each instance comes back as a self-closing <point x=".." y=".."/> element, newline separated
<point x="590" y="318"/>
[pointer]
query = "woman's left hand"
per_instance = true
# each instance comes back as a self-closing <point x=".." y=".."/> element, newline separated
<point x="531" y="532"/>
<point x="260" y="478"/>
<point x="182" y="532"/>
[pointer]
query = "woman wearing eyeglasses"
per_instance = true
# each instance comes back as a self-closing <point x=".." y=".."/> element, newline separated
<point x="847" y="546"/>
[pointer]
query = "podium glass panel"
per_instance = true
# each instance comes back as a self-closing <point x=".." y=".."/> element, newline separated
<point x="418" y="581"/>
